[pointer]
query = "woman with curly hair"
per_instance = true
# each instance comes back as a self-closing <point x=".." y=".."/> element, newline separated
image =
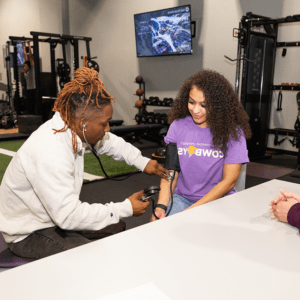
<point x="210" y="127"/>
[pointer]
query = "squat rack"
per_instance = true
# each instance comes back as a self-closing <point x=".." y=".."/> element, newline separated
<point x="53" y="39"/>
<point x="52" y="43"/>
<point x="57" y="37"/>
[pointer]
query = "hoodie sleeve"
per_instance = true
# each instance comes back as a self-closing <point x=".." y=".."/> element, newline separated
<point x="294" y="215"/>
<point x="116" y="147"/>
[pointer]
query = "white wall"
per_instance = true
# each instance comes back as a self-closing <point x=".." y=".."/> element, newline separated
<point x="111" y="25"/>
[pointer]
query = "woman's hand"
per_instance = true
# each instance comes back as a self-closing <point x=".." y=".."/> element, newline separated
<point x="192" y="206"/>
<point x="160" y="213"/>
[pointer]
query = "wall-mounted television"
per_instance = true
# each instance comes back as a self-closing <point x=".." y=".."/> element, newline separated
<point x="20" y="55"/>
<point x="164" y="32"/>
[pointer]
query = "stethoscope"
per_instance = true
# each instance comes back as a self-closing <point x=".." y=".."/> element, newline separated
<point x="97" y="156"/>
<point x="149" y="192"/>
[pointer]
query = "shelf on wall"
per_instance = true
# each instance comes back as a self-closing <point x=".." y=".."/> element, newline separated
<point x="157" y="105"/>
<point x="282" y="131"/>
<point x="285" y="87"/>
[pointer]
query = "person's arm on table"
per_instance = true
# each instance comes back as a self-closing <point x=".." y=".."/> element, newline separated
<point x="119" y="149"/>
<point x="164" y="197"/>
<point x="284" y="195"/>
<point x="231" y="174"/>
<point x="287" y="210"/>
<point x="293" y="216"/>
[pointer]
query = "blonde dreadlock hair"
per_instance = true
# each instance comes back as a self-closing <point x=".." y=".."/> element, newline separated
<point x="85" y="91"/>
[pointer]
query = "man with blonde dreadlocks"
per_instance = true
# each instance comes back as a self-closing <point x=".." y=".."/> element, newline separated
<point x="40" y="210"/>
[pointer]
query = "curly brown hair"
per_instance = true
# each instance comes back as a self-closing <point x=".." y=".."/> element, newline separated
<point x="225" y="115"/>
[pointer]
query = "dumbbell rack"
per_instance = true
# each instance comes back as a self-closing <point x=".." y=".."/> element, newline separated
<point x="154" y="101"/>
<point x="145" y="117"/>
<point x="141" y="97"/>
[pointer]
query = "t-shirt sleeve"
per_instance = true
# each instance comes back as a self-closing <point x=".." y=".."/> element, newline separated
<point x="171" y="136"/>
<point x="293" y="216"/>
<point x="237" y="152"/>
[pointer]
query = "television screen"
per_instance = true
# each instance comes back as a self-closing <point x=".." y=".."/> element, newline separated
<point x="20" y="55"/>
<point x="164" y="32"/>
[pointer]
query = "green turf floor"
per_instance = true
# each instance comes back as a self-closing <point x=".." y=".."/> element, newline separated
<point x="91" y="165"/>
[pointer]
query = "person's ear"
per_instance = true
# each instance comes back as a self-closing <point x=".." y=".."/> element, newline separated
<point x="82" y="124"/>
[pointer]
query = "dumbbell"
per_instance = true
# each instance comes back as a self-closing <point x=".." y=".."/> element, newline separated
<point x="165" y="101"/>
<point x="138" y="118"/>
<point x="144" y="116"/>
<point x="170" y="101"/>
<point x="160" y="102"/>
<point x="163" y="119"/>
<point x="155" y="100"/>
<point x="150" y="118"/>
<point x="145" y="102"/>
<point x="149" y="102"/>
<point x="157" y="118"/>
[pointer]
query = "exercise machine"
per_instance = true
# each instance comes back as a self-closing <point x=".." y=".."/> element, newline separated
<point x="257" y="43"/>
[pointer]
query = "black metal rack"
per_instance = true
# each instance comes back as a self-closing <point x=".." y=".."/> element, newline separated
<point x="53" y="39"/>
<point x="285" y="88"/>
<point x="256" y="52"/>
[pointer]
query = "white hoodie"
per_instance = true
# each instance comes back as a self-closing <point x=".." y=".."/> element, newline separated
<point x="42" y="183"/>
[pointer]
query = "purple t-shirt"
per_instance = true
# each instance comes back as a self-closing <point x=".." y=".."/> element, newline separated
<point x="201" y="165"/>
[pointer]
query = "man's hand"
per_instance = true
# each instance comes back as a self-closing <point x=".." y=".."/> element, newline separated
<point x="281" y="208"/>
<point x="160" y="213"/>
<point x="138" y="206"/>
<point x="277" y="199"/>
<point x="284" y="195"/>
<point x="290" y="195"/>
<point x="154" y="168"/>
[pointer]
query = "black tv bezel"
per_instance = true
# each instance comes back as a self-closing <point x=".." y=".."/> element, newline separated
<point x="167" y="54"/>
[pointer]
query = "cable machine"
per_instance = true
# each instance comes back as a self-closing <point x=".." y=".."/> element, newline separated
<point x="257" y="43"/>
<point x="56" y="37"/>
<point x="52" y="90"/>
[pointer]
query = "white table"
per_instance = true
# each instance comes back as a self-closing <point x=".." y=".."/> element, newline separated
<point x="227" y="249"/>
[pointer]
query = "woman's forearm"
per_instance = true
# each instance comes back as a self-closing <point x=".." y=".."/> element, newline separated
<point x="218" y="191"/>
<point x="164" y="194"/>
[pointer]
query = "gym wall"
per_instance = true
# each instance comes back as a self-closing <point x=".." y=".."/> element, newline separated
<point x="111" y="26"/>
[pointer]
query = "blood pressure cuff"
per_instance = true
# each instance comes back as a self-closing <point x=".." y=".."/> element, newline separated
<point x="172" y="159"/>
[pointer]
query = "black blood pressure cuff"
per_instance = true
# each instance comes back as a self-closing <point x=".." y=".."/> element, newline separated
<point x="172" y="159"/>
